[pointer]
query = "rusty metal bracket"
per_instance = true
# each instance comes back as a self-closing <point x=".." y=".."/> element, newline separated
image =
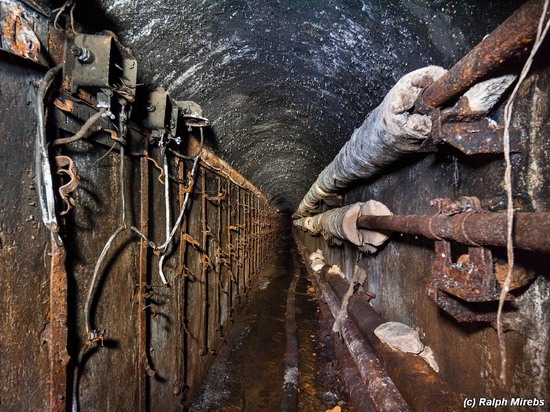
<point x="466" y="288"/>
<point x="483" y="136"/>
<point x="69" y="113"/>
<point x="99" y="63"/>
<point x="185" y="237"/>
<point x="161" y="116"/>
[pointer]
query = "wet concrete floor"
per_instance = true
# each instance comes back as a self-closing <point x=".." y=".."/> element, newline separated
<point x="248" y="373"/>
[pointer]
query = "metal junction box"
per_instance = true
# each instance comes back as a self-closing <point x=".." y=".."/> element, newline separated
<point x="162" y="112"/>
<point x="98" y="62"/>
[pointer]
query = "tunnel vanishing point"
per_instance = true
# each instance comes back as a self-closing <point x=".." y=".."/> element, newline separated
<point x="229" y="205"/>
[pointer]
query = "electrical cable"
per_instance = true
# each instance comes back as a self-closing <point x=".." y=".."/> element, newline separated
<point x="105" y="155"/>
<point x="60" y="10"/>
<point x="164" y="247"/>
<point x="106" y="247"/>
<point x="90" y="332"/>
<point x="196" y="155"/>
<point x="44" y="182"/>
<point x="83" y="130"/>
<point x="223" y="172"/>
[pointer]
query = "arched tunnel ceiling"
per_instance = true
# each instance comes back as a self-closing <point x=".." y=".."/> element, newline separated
<point x="285" y="82"/>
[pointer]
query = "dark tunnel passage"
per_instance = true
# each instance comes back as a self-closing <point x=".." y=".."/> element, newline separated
<point x="316" y="205"/>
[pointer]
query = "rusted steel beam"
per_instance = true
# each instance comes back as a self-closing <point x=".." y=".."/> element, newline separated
<point x="256" y="235"/>
<point x="23" y="32"/>
<point x="143" y="361"/>
<point x="531" y="229"/>
<point x="204" y="267"/>
<point x="239" y="242"/>
<point x="219" y="284"/>
<point x="58" y="355"/>
<point x="181" y="287"/>
<point x="246" y="242"/>
<point x="515" y="34"/>
<point x="212" y="159"/>
<point x="232" y="250"/>
<point x="418" y="383"/>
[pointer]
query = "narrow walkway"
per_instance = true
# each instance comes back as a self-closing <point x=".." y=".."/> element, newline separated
<point x="248" y="374"/>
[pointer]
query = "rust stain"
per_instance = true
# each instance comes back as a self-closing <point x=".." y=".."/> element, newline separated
<point x="56" y="45"/>
<point x="205" y="266"/>
<point x="217" y="165"/>
<point x="59" y="357"/>
<point x="63" y="104"/>
<point x="18" y="34"/>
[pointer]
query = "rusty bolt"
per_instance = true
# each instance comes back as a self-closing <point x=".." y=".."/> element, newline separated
<point x="84" y="55"/>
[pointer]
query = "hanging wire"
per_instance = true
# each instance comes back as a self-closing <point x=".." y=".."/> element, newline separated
<point x="164" y="247"/>
<point x="60" y="11"/>
<point x="105" y="155"/>
<point x="196" y="155"/>
<point x="44" y="182"/>
<point x="91" y="334"/>
<point x="541" y="34"/>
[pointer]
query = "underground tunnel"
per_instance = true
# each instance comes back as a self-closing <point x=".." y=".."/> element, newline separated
<point x="330" y="205"/>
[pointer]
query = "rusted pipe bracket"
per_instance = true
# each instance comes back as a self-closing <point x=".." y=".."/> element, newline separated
<point x="462" y="288"/>
<point x="479" y="137"/>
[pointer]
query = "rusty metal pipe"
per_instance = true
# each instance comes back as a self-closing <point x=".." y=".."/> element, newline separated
<point x="515" y="34"/>
<point x="418" y="383"/>
<point x="531" y="229"/>
<point x="355" y="387"/>
<point x="380" y="387"/>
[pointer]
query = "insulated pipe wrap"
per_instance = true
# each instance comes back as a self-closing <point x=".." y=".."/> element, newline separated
<point x="388" y="132"/>
<point x="341" y="223"/>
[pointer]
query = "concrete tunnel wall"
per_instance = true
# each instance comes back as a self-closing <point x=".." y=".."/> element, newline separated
<point x="285" y="82"/>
